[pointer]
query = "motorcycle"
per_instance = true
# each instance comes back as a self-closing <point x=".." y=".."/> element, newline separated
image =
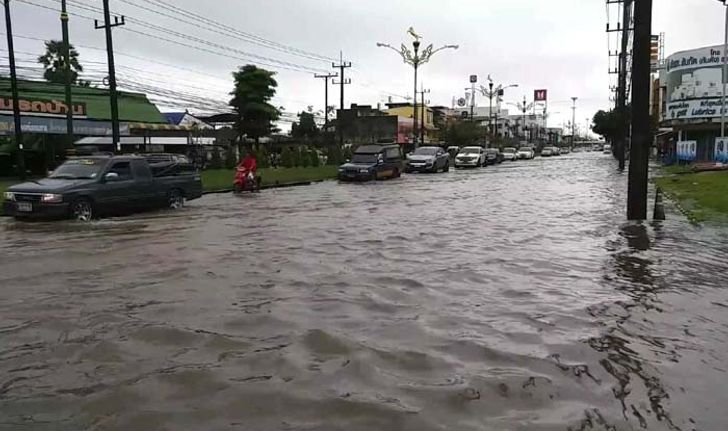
<point x="246" y="181"/>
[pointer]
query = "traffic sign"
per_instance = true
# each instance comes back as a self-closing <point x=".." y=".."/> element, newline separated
<point x="540" y="95"/>
<point x="473" y="79"/>
<point x="462" y="101"/>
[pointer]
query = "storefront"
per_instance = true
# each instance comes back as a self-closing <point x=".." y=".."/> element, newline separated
<point x="693" y="89"/>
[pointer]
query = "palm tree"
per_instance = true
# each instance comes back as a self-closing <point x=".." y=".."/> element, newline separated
<point x="52" y="61"/>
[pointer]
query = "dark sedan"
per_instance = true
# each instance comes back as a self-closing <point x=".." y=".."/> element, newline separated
<point x="493" y="156"/>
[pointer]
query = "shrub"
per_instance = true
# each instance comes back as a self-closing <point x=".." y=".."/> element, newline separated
<point x="215" y="159"/>
<point x="230" y="159"/>
<point x="287" y="158"/>
<point x="315" y="162"/>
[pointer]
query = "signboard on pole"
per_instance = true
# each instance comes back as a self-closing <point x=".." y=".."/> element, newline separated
<point x="540" y="95"/>
<point x="462" y="102"/>
<point x="687" y="151"/>
<point x="473" y="79"/>
<point x="721" y="150"/>
<point x="654" y="53"/>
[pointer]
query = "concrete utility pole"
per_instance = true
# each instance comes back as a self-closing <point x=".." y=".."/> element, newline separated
<point x="342" y="66"/>
<point x="573" y="120"/>
<point x="115" y="135"/>
<point x="725" y="72"/>
<point x="623" y="119"/>
<point x="424" y="111"/>
<point x="14" y="91"/>
<point x="641" y="124"/>
<point x="67" y="69"/>
<point x="326" y="78"/>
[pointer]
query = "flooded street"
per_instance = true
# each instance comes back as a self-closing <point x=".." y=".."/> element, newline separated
<point x="508" y="298"/>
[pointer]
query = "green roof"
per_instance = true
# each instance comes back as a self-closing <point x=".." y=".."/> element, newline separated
<point x="133" y="107"/>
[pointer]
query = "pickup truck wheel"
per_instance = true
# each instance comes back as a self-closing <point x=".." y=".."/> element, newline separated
<point x="82" y="210"/>
<point x="175" y="199"/>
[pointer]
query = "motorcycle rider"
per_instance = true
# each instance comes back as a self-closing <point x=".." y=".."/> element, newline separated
<point x="249" y="166"/>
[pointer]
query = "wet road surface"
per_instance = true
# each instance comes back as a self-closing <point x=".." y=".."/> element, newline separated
<point x="508" y="298"/>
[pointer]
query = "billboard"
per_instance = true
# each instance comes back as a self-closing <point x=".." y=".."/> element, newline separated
<point x="695" y="84"/>
<point x="540" y="95"/>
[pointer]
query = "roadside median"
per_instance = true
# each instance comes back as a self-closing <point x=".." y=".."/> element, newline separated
<point x="221" y="180"/>
<point x="702" y="196"/>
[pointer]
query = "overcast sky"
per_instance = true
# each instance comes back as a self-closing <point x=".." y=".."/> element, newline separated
<point x="559" y="45"/>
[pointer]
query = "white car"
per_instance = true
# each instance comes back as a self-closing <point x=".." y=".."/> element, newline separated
<point x="470" y="157"/>
<point x="510" y="153"/>
<point x="526" y="153"/>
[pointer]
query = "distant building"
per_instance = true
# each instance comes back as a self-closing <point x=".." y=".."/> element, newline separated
<point x="406" y="110"/>
<point x="362" y="124"/>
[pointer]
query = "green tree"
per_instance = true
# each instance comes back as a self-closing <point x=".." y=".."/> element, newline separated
<point x="304" y="159"/>
<point x="255" y="116"/>
<point x="333" y="155"/>
<point x="230" y="160"/>
<point x="215" y="159"/>
<point x="315" y="162"/>
<point x="53" y="63"/>
<point x="305" y="128"/>
<point x="287" y="159"/>
<point x="607" y="123"/>
<point x="261" y="155"/>
<point x="464" y="133"/>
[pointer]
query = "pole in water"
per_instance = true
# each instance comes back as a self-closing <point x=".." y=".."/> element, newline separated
<point x="14" y="90"/>
<point x="641" y="121"/>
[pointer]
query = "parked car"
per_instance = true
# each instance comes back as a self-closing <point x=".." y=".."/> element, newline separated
<point x="493" y="156"/>
<point x="86" y="187"/>
<point x="607" y="149"/>
<point x="373" y="162"/>
<point x="565" y="150"/>
<point x="597" y="147"/>
<point x="526" y="153"/>
<point x="557" y="151"/>
<point x="428" y="159"/>
<point x="510" y="153"/>
<point x="470" y="157"/>
<point x="547" y="152"/>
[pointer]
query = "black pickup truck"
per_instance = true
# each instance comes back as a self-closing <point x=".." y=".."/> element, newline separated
<point x="86" y="187"/>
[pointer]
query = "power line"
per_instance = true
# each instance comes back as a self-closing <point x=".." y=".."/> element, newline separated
<point x="216" y="27"/>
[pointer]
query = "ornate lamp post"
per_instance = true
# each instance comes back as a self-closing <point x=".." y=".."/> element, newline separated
<point x="415" y="58"/>
<point x="490" y="92"/>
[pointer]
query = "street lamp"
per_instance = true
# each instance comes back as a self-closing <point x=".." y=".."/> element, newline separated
<point x="415" y="59"/>
<point x="490" y="92"/>
<point x="523" y="107"/>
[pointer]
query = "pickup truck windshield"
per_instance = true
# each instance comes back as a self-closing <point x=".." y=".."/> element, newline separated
<point x="364" y="158"/>
<point x="79" y="169"/>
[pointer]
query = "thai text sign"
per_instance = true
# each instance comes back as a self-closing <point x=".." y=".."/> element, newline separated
<point x="41" y="107"/>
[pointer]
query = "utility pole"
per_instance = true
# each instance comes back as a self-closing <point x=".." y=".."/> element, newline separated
<point x="67" y="68"/>
<point x="623" y="119"/>
<point x="725" y="72"/>
<point x="573" y="120"/>
<point x="326" y="78"/>
<point x="525" y="108"/>
<point x="14" y="91"/>
<point x="116" y="139"/>
<point x="423" y="110"/>
<point x="641" y="124"/>
<point x="342" y="66"/>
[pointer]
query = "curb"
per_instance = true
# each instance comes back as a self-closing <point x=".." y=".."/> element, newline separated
<point x="268" y="186"/>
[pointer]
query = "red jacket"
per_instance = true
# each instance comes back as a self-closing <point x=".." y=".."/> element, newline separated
<point x="249" y="164"/>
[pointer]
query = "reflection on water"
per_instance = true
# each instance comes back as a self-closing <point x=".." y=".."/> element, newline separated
<point x="512" y="297"/>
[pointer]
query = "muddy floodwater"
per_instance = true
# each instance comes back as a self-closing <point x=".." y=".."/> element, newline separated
<point x="508" y="298"/>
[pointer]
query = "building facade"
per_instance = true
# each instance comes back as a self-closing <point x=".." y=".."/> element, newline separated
<point x="687" y="100"/>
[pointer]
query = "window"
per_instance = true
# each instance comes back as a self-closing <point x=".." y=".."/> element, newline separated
<point x="392" y="153"/>
<point x="123" y="169"/>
